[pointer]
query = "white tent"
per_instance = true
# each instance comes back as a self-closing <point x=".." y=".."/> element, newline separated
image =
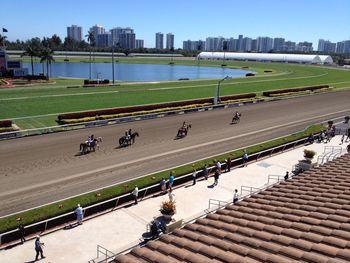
<point x="296" y="58"/>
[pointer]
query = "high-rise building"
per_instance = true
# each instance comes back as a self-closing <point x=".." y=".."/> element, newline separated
<point x="169" y="41"/>
<point x="232" y="44"/>
<point x="240" y="43"/>
<point x="123" y="37"/>
<point x="75" y="32"/>
<point x="104" y="40"/>
<point x="96" y="30"/>
<point x="278" y="43"/>
<point x="193" y="45"/>
<point x="304" y="47"/>
<point x="340" y="47"/>
<point x="347" y="46"/>
<point x="211" y="43"/>
<point x="254" y="45"/>
<point x="247" y="44"/>
<point x="115" y="33"/>
<point x="159" y="40"/>
<point x="127" y="38"/>
<point x="289" y="46"/>
<point x="139" y="43"/>
<point x="264" y="44"/>
<point x="326" y="46"/>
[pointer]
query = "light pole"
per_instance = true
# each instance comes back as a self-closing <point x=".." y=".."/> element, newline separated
<point x="217" y="96"/>
<point x="113" y="64"/>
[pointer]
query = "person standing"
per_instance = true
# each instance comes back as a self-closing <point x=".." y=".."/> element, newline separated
<point x="218" y="167"/>
<point x="205" y="171"/>
<point x="228" y="165"/>
<point x="162" y="186"/>
<point x="245" y="159"/>
<point x="194" y="176"/>
<point x="80" y="214"/>
<point x="216" y="177"/>
<point x="171" y="195"/>
<point x="135" y="194"/>
<point x="171" y="181"/>
<point x="235" y="196"/>
<point x="286" y="176"/>
<point x="22" y="233"/>
<point x="38" y="248"/>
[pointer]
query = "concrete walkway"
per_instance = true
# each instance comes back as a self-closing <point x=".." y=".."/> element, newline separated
<point x="123" y="228"/>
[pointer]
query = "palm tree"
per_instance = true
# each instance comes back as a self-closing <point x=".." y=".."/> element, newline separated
<point x="32" y="52"/>
<point x="91" y="39"/>
<point x="2" y="40"/>
<point x="46" y="55"/>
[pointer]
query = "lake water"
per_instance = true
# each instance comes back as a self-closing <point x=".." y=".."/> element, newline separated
<point x="136" y="72"/>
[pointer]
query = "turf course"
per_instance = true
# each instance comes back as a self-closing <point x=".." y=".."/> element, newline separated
<point x="38" y="106"/>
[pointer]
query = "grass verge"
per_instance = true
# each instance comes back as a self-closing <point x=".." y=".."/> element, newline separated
<point x="48" y="211"/>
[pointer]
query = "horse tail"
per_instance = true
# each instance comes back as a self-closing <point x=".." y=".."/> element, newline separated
<point x="121" y="141"/>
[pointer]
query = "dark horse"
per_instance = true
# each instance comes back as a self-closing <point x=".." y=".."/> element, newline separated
<point x="86" y="147"/>
<point x="182" y="132"/>
<point x="236" y="118"/>
<point x="124" y="141"/>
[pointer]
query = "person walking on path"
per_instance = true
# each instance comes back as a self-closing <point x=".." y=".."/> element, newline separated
<point x="21" y="233"/>
<point x="216" y="177"/>
<point x="135" y="194"/>
<point x="194" y="176"/>
<point x="171" y="195"/>
<point x="171" y="181"/>
<point x="245" y="158"/>
<point x="38" y="248"/>
<point x="162" y="186"/>
<point x="205" y="171"/>
<point x="235" y="196"/>
<point x="80" y="214"/>
<point x="228" y="164"/>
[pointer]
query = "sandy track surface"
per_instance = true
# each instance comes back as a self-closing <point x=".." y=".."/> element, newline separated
<point x="41" y="169"/>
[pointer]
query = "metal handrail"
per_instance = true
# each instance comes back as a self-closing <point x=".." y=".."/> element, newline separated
<point x="105" y="252"/>
<point x="274" y="177"/>
<point x="249" y="189"/>
<point x="217" y="202"/>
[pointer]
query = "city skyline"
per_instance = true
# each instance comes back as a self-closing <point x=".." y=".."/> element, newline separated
<point x="297" y="20"/>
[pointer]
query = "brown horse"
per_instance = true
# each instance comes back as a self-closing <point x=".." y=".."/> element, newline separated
<point x="86" y="147"/>
<point x="124" y="141"/>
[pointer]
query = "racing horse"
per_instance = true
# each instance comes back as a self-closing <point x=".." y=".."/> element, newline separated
<point x="182" y="132"/>
<point x="236" y="118"/>
<point x="86" y="147"/>
<point x="124" y="141"/>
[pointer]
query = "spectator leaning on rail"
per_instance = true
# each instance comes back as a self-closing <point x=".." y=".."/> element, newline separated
<point x="80" y="214"/>
<point x="245" y="158"/>
<point x="171" y="180"/>
<point x="135" y="194"/>
<point x="162" y="184"/>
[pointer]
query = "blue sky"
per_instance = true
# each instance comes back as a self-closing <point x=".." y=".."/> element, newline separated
<point x="296" y="20"/>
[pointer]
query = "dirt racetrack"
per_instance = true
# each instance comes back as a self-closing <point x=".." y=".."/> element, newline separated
<point x="41" y="169"/>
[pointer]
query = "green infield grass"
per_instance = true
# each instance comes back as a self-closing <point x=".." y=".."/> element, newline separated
<point x="38" y="105"/>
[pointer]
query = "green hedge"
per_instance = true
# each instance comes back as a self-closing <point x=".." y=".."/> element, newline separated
<point x="68" y="205"/>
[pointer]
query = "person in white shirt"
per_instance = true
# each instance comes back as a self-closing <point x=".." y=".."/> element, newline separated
<point x="235" y="196"/>
<point x="135" y="194"/>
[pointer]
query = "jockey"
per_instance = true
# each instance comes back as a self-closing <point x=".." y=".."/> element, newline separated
<point x="90" y="140"/>
<point x="237" y="115"/>
<point x="127" y="136"/>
